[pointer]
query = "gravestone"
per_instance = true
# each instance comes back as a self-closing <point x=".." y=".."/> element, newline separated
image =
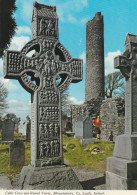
<point x="38" y="75"/>
<point x="83" y="129"/>
<point x="121" y="171"/>
<point x="7" y="131"/>
<point x="87" y="131"/>
<point x="22" y="127"/>
<point x="17" y="153"/>
<point x="79" y="127"/>
<point x="87" y="126"/>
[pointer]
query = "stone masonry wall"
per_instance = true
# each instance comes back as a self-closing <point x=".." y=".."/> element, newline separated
<point x="112" y="115"/>
<point x="94" y="58"/>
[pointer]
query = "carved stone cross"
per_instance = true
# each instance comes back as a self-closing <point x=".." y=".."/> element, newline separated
<point x="39" y="74"/>
<point x="127" y="63"/>
<point x="121" y="169"/>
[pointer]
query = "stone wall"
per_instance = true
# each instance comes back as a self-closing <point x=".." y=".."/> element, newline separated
<point x="112" y="115"/>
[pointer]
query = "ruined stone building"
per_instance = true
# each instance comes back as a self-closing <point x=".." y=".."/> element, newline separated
<point x="112" y="114"/>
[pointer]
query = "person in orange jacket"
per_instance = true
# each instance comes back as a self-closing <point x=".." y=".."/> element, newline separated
<point x="97" y="124"/>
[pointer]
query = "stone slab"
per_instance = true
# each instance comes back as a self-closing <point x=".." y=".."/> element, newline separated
<point x="79" y="127"/>
<point x="59" y="177"/>
<point x="117" y="182"/>
<point x="126" y="147"/>
<point x="87" y="141"/>
<point x="87" y="128"/>
<point x="122" y="167"/>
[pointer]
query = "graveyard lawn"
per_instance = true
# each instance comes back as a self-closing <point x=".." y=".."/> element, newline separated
<point x="5" y="169"/>
<point x="81" y="156"/>
<point x="73" y="151"/>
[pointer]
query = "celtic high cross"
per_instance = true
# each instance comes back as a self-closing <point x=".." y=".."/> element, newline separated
<point x="39" y="74"/>
<point x="127" y="63"/>
<point x="121" y="168"/>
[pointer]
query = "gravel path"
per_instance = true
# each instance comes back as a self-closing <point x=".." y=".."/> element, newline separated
<point x="90" y="180"/>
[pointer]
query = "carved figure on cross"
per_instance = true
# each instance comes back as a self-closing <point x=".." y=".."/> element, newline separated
<point x="38" y="74"/>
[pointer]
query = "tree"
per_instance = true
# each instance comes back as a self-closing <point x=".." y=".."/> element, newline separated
<point x="65" y="102"/>
<point x="7" y="23"/>
<point x="14" y="118"/>
<point x="28" y="118"/>
<point x="114" y="85"/>
<point x="3" y="96"/>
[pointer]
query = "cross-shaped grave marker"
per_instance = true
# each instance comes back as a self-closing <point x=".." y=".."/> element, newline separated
<point x="121" y="171"/>
<point x="38" y="74"/>
<point x="127" y="63"/>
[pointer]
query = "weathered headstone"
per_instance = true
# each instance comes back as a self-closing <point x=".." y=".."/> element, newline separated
<point x="87" y="126"/>
<point x="83" y="129"/>
<point x="38" y="75"/>
<point x="7" y="130"/>
<point x="121" y="171"/>
<point x="79" y="127"/>
<point x="22" y="127"/>
<point x="17" y="153"/>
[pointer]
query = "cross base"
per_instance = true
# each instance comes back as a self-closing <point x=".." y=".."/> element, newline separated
<point x="122" y="167"/>
<point x="125" y="147"/>
<point x="60" y="177"/>
<point x="121" y="174"/>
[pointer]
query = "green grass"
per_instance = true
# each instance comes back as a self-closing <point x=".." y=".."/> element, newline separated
<point x="73" y="151"/>
<point x="78" y="156"/>
<point x="5" y="169"/>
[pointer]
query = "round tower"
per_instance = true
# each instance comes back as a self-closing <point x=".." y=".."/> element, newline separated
<point x="95" y="58"/>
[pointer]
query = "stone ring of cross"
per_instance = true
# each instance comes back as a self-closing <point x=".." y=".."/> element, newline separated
<point x="42" y="61"/>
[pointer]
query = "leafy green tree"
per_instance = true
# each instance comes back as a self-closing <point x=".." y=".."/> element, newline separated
<point x="7" y="23"/>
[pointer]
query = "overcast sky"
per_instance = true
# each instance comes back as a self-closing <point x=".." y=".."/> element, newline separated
<point x="120" y="18"/>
